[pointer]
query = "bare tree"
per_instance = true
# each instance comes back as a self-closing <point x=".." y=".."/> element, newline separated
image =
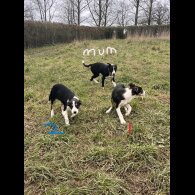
<point x="71" y="11"/>
<point x="80" y="6"/>
<point x="136" y="4"/>
<point x="105" y="12"/>
<point x="161" y="13"/>
<point x="45" y="8"/>
<point x="101" y="12"/>
<point x="95" y="8"/>
<point x="111" y="13"/>
<point x="134" y="9"/>
<point x="147" y="8"/>
<point x="28" y="11"/>
<point x="123" y="16"/>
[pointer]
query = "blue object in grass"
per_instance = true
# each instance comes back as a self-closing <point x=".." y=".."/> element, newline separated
<point x="54" y="128"/>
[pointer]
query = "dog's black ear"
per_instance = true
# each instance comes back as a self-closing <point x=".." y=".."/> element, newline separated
<point x="122" y="85"/>
<point x="136" y="89"/>
<point x="115" y="66"/>
<point x="69" y="103"/>
<point x="131" y="85"/>
<point x="79" y="102"/>
<point x="109" y="65"/>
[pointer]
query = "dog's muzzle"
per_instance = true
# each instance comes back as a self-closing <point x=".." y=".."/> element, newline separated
<point x="113" y="73"/>
<point x="74" y="113"/>
<point x="143" y="94"/>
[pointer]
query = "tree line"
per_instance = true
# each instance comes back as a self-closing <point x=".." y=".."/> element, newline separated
<point x="100" y="13"/>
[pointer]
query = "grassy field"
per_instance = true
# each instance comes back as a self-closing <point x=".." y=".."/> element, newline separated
<point x="96" y="155"/>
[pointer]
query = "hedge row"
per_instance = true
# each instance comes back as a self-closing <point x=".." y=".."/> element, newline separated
<point x="37" y="34"/>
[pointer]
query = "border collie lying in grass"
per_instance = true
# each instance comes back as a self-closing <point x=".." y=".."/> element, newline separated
<point x="121" y="96"/>
<point x="104" y="69"/>
<point x="68" y="99"/>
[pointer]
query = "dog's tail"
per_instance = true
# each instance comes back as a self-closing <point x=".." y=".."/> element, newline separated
<point x="85" y="64"/>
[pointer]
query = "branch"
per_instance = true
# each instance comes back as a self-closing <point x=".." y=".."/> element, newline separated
<point x="91" y="12"/>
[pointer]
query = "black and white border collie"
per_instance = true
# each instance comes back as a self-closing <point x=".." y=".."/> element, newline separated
<point x="121" y="96"/>
<point x="105" y="69"/>
<point x="68" y="99"/>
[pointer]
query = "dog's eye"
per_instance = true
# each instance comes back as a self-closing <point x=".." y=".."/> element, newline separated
<point x="136" y="89"/>
<point x="70" y="104"/>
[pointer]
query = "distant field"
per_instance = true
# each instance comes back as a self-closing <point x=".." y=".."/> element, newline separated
<point x="95" y="155"/>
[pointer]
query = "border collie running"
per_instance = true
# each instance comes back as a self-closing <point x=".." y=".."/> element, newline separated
<point x="121" y="96"/>
<point x="105" y="69"/>
<point x="68" y="99"/>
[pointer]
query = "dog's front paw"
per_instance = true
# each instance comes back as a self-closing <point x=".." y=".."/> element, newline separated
<point x="109" y="110"/>
<point x="114" y="84"/>
<point x="72" y="116"/>
<point x="127" y="114"/>
<point x="52" y="113"/>
<point x="123" y="122"/>
<point x="67" y="124"/>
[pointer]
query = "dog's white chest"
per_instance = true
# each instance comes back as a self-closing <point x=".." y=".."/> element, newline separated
<point x="128" y="97"/>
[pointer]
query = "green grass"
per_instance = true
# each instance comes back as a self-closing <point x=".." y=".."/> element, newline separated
<point x="96" y="155"/>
